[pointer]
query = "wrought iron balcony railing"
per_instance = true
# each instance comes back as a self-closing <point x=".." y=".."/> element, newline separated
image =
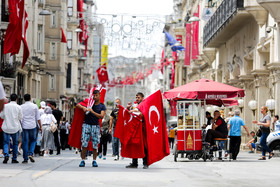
<point x="222" y="16"/>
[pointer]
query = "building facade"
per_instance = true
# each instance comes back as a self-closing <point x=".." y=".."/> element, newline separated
<point x="239" y="46"/>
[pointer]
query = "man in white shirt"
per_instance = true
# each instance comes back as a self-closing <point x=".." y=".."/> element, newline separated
<point x="31" y="115"/>
<point x="11" y="127"/>
<point x="2" y="96"/>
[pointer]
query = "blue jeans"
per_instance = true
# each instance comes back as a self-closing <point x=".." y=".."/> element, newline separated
<point x="265" y="148"/>
<point x="7" y="142"/>
<point x="28" y="138"/>
<point x="115" y="144"/>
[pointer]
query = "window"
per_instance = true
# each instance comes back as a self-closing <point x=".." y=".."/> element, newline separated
<point x="53" y="51"/>
<point x="80" y="77"/>
<point x="68" y="76"/>
<point x="53" y="19"/>
<point x="69" y="40"/>
<point x="52" y="82"/>
<point x="70" y="8"/>
<point x="40" y="38"/>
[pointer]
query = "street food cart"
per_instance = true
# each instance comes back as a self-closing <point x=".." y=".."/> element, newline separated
<point x="191" y="101"/>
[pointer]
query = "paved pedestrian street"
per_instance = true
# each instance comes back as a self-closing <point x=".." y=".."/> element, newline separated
<point x="63" y="170"/>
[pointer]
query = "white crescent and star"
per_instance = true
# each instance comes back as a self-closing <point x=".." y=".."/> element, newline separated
<point x="154" y="108"/>
<point x="125" y="123"/>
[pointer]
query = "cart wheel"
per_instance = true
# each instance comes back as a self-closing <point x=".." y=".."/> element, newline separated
<point x="175" y="153"/>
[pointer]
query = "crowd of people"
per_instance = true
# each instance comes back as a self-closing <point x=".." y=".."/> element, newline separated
<point x="31" y="131"/>
<point x="230" y="127"/>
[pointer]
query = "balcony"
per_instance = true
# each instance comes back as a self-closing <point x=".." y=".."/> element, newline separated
<point x="227" y="20"/>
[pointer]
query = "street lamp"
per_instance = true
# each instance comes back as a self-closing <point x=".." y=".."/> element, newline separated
<point x="45" y="12"/>
<point x="193" y="19"/>
<point x="78" y="30"/>
<point x="241" y="104"/>
<point x="253" y="106"/>
<point x="270" y="103"/>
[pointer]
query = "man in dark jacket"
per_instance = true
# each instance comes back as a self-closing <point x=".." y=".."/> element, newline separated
<point x="219" y="129"/>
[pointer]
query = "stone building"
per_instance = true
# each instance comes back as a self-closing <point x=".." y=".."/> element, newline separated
<point x="239" y="45"/>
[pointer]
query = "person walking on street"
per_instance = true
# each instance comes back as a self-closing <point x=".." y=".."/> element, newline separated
<point x="30" y="117"/>
<point x="113" y="120"/>
<point x="171" y="136"/>
<point x="276" y="123"/>
<point x="264" y="124"/>
<point x="58" y="116"/>
<point x="91" y="128"/>
<point x="105" y="137"/>
<point x="47" y="136"/>
<point x="2" y="97"/>
<point x="63" y="129"/>
<point x="11" y="127"/>
<point x="234" y="127"/>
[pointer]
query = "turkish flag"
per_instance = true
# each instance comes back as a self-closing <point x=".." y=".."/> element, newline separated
<point x="63" y="37"/>
<point x="102" y="74"/>
<point x="25" y="46"/>
<point x="156" y="132"/>
<point x="13" y="35"/>
<point x="129" y="130"/>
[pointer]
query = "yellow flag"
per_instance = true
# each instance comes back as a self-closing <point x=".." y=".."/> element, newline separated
<point x="104" y="55"/>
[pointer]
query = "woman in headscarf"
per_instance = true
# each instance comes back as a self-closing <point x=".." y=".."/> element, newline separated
<point x="47" y="136"/>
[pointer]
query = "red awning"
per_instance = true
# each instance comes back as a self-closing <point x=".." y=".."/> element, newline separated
<point x="204" y="89"/>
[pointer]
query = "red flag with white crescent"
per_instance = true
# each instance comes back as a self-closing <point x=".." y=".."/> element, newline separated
<point x="102" y="74"/>
<point x="129" y="130"/>
<point x="156" y="132"/>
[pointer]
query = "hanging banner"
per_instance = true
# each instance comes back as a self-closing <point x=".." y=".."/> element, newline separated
<point x="172" y="74"/>
<point x="179" y="38"/>
<point x="104" y="55"/>
<point x="188" y="45"/>
<point x="195" y="47"/>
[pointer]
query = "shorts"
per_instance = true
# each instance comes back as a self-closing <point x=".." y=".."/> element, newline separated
<point x="253" y="145"/>
<point x="90" y="132"/>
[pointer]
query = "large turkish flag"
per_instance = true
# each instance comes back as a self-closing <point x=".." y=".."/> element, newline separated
<point x="129" y="130"/>
<point x="102" y="74"/>
<point x="156" y="132"/>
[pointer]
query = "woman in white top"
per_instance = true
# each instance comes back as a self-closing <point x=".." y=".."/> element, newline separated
<point x="47" y="136"/>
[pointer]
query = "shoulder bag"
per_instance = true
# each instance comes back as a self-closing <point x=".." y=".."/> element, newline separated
<point x="53" y="127"/>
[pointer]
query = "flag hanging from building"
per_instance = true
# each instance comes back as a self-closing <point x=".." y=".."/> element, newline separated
<point x="102" y="74"/>
<point x="188" y="45"/>
<point x="63" y="37"/>
<point x="195" y="46"/>
<point x="175" y="45"/>
<point x="104" y="55"/>
<point x="16" y="31"/>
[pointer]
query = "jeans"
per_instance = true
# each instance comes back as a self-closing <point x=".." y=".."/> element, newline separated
<point x="265" y="148"/>
<point x="56" y="141"/>
<point x="29" y="138"/>
<point x="115" y="144"/>
<point x="7" y="142"/>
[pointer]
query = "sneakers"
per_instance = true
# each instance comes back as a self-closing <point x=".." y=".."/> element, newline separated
<point x="5" y="161"/>
<point x="251" y="152"/>
<point x="145" y="167"/>
<point x="94" y="163"/>
<point x="104" y="158"/>
<point x="131" y="166"/>
<point x="1" y="156"/>
<point x="25" y="161"/>
<point x="31" y="158"/>
<point x="82" y="164"/>
<point x="116" y="158"/>
<point x="100" y="156"/>
<point x="15" y="162"/>
<point x="46" y="155"/>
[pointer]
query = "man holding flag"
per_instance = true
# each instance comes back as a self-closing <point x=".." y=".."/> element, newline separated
<point x="151" y="142"/>
<point x="91" y="129"/>
<point x="134" y="110"/>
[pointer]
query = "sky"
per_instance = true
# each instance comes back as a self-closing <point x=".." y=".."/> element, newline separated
<point x="158" y="7"/>
<point x="149" y="8"/>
